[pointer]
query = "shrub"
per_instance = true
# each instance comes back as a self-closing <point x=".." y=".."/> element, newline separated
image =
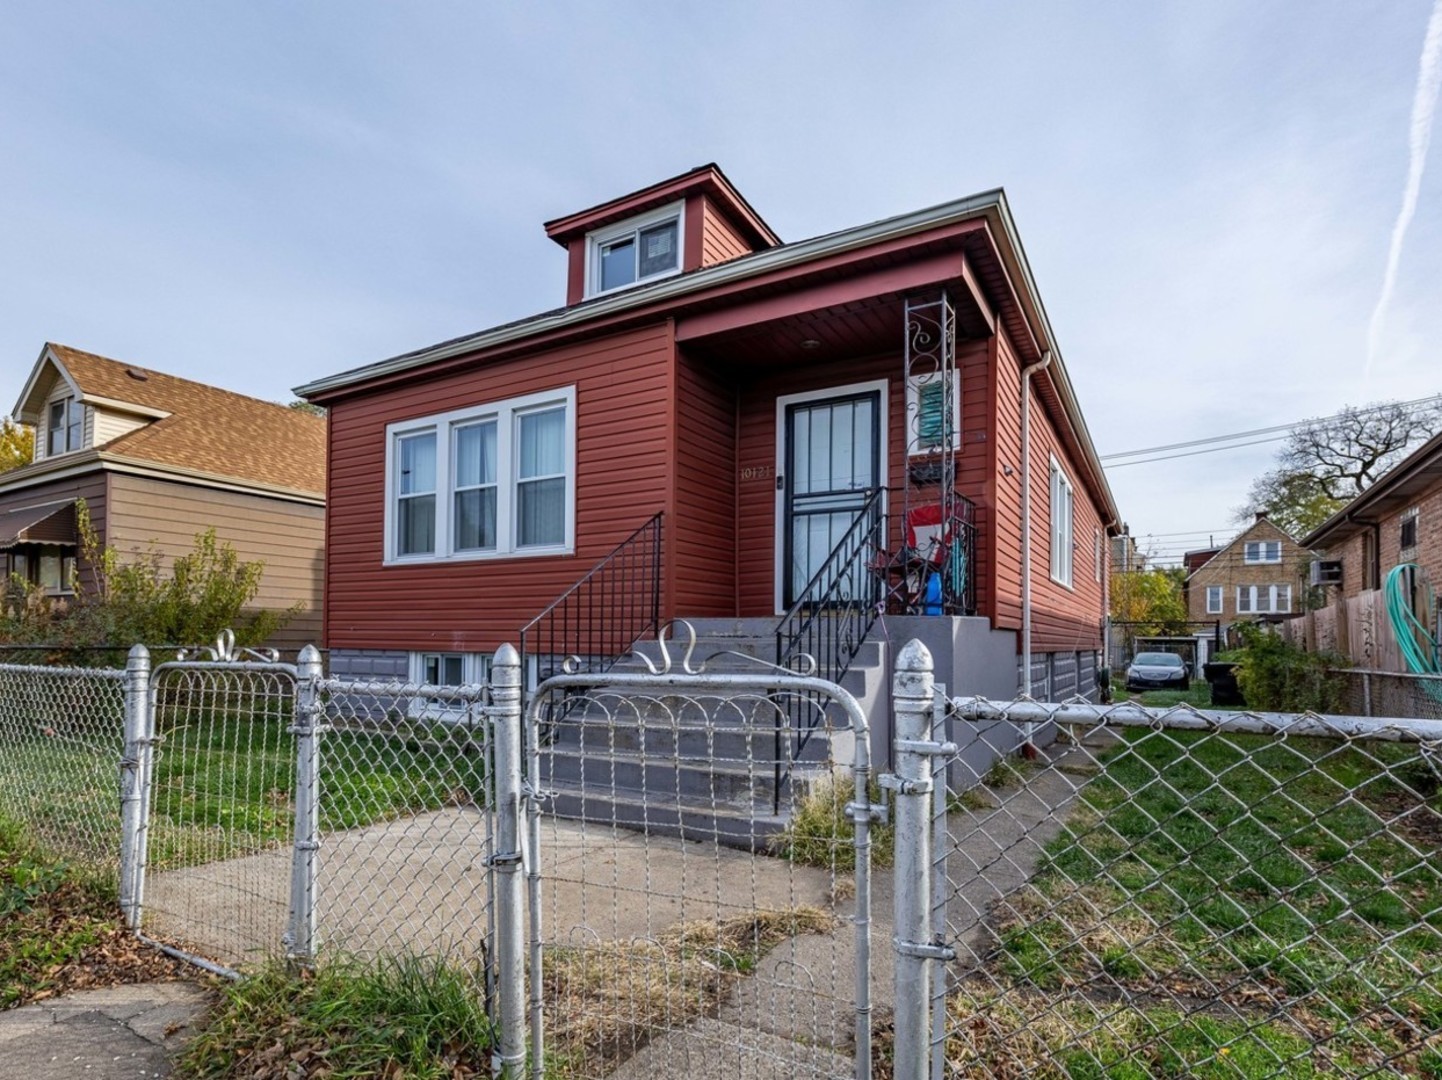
<point x="1278" y="676"/>
<point x="205" y="591"/>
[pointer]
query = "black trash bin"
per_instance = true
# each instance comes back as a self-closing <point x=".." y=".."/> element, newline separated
<point x="1221" y="676"/>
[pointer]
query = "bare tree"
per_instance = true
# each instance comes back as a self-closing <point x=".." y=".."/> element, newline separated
<point x="1329" y="461"/>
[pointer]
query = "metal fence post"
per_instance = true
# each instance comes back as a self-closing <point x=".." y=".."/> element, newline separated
<point x="300" y="937"/>
<point x="506" y="860"/>
<point x="135" y="775"/>
<point x="912" y="693"/>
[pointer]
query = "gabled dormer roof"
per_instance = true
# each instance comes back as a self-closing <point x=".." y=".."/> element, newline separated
<point x="704" y="180"/>
<point x="192" y="427"/>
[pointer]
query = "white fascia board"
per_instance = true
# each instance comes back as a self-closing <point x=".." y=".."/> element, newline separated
<point x="46" y="356"/>
<point x="737" y="270"/>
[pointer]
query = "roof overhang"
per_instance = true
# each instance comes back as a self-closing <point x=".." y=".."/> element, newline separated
<point x="989" y="209"/>
<point x="1395" y="490"/>
<point x="69" y="466"/>
<point x="31" y="405"/>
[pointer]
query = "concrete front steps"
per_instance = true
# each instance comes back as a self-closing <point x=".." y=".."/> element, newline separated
<point x="704" y="768"/>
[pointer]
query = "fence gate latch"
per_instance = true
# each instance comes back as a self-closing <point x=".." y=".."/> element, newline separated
<point x="892" y="782"/>
<point x="925" y="950"/>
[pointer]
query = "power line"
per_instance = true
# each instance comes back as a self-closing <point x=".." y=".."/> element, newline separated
<point x="1434" y="398"/>
<point x="1194" y="453"/>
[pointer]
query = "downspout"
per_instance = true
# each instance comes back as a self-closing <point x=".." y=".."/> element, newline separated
<point x="1025" y="681"/>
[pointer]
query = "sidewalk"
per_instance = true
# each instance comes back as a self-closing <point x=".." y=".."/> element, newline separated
<point x="117" y="1033"/>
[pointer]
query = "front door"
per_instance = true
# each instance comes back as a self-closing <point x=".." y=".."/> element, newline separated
<point x="830" y="465"/>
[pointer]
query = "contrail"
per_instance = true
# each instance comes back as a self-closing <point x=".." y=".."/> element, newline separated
<point x="1424" y="107"/>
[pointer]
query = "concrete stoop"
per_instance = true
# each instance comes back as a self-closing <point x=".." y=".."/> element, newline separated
<point x="664" y="768"/>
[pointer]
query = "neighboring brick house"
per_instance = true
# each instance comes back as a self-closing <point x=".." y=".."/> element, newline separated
<point x="157" y="460"/>
<point x="1396" y="520"/>
<point x="1261" y="574"/>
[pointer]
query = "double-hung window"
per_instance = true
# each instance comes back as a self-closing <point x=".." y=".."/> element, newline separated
<point x="493" y="480"/>
<point x="1262" y="599"/>
<point x="1408" y="531"/>
<point x="64" y="426"/>
<point x="1262" y="551"/>
<point x="647" y="246"/>
<point x="1214" y="599"/>
<point x="1061" y="525"/>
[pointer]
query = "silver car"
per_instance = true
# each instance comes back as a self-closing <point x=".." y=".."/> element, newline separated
<point x="1157" y="671"/>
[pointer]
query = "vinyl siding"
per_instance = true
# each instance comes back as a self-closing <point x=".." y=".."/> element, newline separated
<point x="704" y="524"/>
<point x="90" y="487"/>
<point x="719" y="241"/>
<point x="146" y="513"/>
<point x="625" y="399"/>
<point x="109" y="425"/>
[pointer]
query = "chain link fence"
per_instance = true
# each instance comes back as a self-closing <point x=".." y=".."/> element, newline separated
<point x="699" y="887"/>
<point x="1391" y="693"/>
<point x="1175" y="893"/>
<point x="61" y="741"/>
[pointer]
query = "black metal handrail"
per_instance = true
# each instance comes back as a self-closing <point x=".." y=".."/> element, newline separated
<point x="829" y="622"/>
<point x="602" y="616"/>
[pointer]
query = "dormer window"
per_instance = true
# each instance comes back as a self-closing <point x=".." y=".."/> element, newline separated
<point x="65" y="426"/>
<point x="635" y="250"/>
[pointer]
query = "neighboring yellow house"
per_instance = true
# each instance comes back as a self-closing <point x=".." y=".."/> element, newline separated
<point x="157" y="460"/>
<point x="1261" y="574"/>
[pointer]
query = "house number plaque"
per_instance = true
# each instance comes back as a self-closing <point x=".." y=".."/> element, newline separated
<point x="758" y="472"/>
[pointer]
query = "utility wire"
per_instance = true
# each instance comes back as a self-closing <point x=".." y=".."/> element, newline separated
<point x="1284" y="428"/>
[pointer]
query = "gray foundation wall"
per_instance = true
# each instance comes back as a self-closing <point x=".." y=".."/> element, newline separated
<point x="370" y="665"/>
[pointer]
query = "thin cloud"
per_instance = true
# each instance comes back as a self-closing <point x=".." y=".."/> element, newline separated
<point x="1424" y="107"/>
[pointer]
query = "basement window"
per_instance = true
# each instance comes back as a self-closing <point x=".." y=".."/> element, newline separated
<point x="635" y="250"/>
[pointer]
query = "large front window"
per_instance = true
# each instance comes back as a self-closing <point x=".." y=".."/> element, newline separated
<point x="496" y="479"/>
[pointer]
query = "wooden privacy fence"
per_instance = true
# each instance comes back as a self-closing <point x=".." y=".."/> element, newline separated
<point x="1356" y="628"/>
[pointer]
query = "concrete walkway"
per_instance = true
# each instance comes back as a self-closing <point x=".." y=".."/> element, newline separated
<point x="118" y="1033"/>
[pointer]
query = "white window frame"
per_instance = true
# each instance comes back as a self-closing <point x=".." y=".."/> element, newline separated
<point x="1277" y="598"/>
<point x="1262" y="547"/>
<point x="1063" y="524"/>
<point x="505" y="413"/>
<point x="1097" y="547"/>
<point x="1215" y="600"/>
<point x="914" y="383"/>
<point x="74" y="418"/>
<point x="475" y="671"/>
<point x="609" y="234"/>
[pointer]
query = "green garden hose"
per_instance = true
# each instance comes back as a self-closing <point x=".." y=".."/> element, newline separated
<point x="1413" y="614"/>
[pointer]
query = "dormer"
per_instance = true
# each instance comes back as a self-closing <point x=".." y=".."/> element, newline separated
<point x="69" y="413"/>
<point x="691" y="221"/>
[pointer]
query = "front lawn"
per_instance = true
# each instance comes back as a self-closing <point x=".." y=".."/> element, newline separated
<point x="1223" y="905"/>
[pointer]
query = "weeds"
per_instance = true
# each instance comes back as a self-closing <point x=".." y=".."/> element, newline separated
<point x="603" y="1001"/>
<point x="821" y="832"/>
<point x="414" y="1018"/>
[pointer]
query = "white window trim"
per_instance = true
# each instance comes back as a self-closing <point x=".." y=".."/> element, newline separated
<point x="473" y="673"/>
<point x="507" y="435"/>
<point x="914" y="383"/>
<point x="1097" y="546"/>
<point x="608" y="234"/>
<point x="1215" y="590"/>
<point x="1259" y="595"/>
<point x="1060" y="489"/>
<point x="65" y="395"/>
<point x="1261" y="559"/>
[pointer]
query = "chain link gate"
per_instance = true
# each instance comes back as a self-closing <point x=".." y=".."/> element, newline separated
<point x="1165" y="892"/>
<point x="675" y="916"/>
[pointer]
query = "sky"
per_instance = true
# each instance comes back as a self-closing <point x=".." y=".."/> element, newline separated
<point x="259" y="194"/>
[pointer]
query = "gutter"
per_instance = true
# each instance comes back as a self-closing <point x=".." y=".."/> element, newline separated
<point x="1028" y="748"/>
<point x="776" y="258"/>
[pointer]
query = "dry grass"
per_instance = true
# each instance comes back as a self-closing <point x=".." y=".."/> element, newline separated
<point x="604" y="1002"/>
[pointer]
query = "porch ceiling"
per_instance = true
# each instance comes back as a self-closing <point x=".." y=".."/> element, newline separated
<point x="848" y="328"/>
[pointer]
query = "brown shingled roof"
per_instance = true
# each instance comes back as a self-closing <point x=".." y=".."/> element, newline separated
<point x="209" y="430"/>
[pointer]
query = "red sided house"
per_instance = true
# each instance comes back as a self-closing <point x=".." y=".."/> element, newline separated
<point x="813" y="447"/>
